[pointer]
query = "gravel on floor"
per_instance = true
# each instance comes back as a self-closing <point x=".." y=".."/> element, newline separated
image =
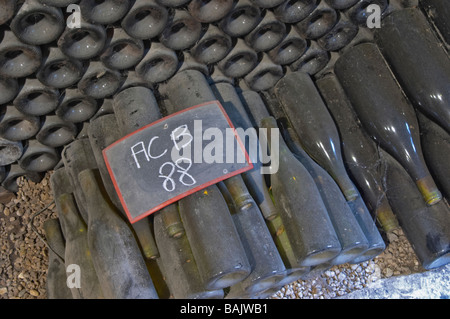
<point x="24" y="256"/>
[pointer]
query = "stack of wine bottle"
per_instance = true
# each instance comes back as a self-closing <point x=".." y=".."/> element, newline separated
<point x="361" y="116"/>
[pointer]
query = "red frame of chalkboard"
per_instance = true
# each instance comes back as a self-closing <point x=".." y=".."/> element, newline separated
<point x="191" y="191"/>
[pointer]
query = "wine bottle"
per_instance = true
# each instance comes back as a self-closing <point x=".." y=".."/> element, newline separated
<point x="427" y="228"/>
<point x="83" y="43"/>
<point x="9" y="88"/>
<point x="318" y="23"/>
<point x="56" y="273"/>
<point x="18" y="59"/>
<point x="355" y="229"/>
<point x="37" y="24"/>
<point x="267" y="34"/>
<point x="361" y="155"/>
<point x="145" y="20"/>
<point x="314" y="126"/>
<point x="178" y="265"/>
<point x="255" y="108"/>
<point x="16" y="126"/>
<point x="239" y="61"/>
<point x="436" y="150"/>
<point x="181" y="32"/>
<point x="312" y="61"/>
<point x="36" y="99"/>
<point x="265" y="75"/>
<point x="209" y="11"/>
<point x="58" y="3"/>
<point x="99" y="81"/>
<point x="75" y="234"/>
<point x="290" y="48"/>
<point x="104" y="12"/>
<point x="76" y="107"/>
<point x="339" y="36"/>
<point x="13" y="173"/>
<point x="9" y="8"/>
<point x="424" y="79"/>
<point x="213" y="46"/>
<point x="384" y="112"/>
<point x="116" y="256"/>
<point x="242" y="19"/>
<point x="55" y="132"/>
<point x="9" y="151"/>
<point x="438" y="12"/>
<point x="58" y="70"/>
<point x="123" y="51"/>
<point x="301" y="208"/>
<point x="265" y="261"/>
<point x="77" y="156"/>
<point x="38" y="157"/>
<point x="295" y="11"/>
<point x="215" y="242"/>
<point x="158" y="65"/>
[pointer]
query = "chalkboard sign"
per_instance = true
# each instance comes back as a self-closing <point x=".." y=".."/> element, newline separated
<point x="174" y="157"/>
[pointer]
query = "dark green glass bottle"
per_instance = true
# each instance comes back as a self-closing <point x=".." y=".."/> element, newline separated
<point x="56" y="273"/>
<point x="314" y="126"/>
<point x="360" y="152"/>
<point x="426" y="227"/>
<point x="436" y="150"/>
<point x="215" y="242"/>
<point x="384" y="112"/>
<point x="116" y="256"/>
<point x="419" y="61"/>
<point x="300" y="205"/>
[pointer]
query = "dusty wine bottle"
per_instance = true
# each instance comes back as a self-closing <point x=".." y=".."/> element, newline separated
<point x="78" y="156"/>
<point x="242" y="19"/>
<point x="76" y="107"/>
<point x="123" y="51"/>
<point x="36" y="99"/>
<point x="16" y="126"/>
<point x="339" y="36"/>
<point x="267" y="34"/>
<point x="9" y="151"/>
<point x="314" y="126"/>
<point x="18" y="59"/>
<point x="384" y="111"/>
<point x="318" y="23"/>
<point x="360" y="152"/>
<point x="9" y="8"/>
<point x="74" y="230"/>
<point x="83" y="43"/>
<point x="239" y="61"/>
<point x="265" y="75"/>
<point x="9" y="87"/>
<point x="436" y="150"/>
<point x="301" y="208"/>
<point x="438" y="12"/>
<point x="182" y="31"/>
<point x="178" y="265"/>
<point x="116" y="256"/>
<point x="56" y="272"/>
<point x="55" y="132"/>
<point x="37" y="24"/>
<point x="158" y="65"/>
<point x="99" y="81"/>
<point x="58" y="70"/>
<point x="209" y="11"/>
<point x="38" y="157"/>
<point x="213" y="46"/>
<point x="312" y="61"/>
<point x="221" y="260"/>
<point x="359" y="13"/>
<point x="425" y="78"/>
<point x="341" y="4"/>
<point x="104" y="12"/>
<point x="290" y="48"/>
<point x="14" y="172"/>
<point x="295" y="10"/>
<point x="426" y="227"/>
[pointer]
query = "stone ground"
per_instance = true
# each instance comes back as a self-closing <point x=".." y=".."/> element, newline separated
<point x="24" y="255"/>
